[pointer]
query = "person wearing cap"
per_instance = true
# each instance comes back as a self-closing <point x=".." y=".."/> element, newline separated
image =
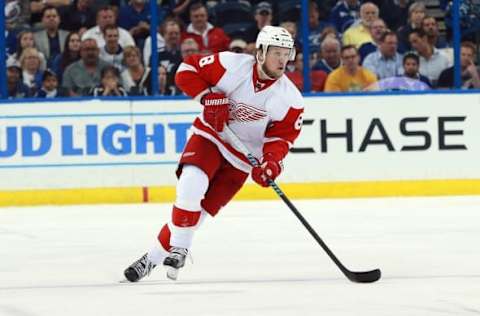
<point x="238" y="46"/>
<point x="210" y="39"/>
<point x="263" y="15"/>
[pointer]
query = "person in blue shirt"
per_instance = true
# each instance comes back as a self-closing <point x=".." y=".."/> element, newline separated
<point x="50" y="88"/>
<point x="377" y="28"/>
<point x="316" y="27"/>
<point x="411" y="80"/>
<point x="15" y="86"/>
<point x="385" y="62"/>
<point x="330" y="58"/>
<point x="344" y="14"/>
<point x="135" y="18"/>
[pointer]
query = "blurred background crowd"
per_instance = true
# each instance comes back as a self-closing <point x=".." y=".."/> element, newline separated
<point x="67" y="48"/>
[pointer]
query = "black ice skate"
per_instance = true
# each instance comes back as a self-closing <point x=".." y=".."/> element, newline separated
<point x="174" y="261"/>
<point x="139" y="269"/>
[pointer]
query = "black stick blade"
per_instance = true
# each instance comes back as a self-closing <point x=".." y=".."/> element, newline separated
<point x="364" y="277"/>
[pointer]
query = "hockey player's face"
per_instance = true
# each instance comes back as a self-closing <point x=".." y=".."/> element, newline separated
<point x="276" y="60"/>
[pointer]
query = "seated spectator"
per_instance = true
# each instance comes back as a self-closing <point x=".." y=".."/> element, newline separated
<point x="168" y="44"/>
<point x="136" y="78"/>
<point x="469" y="71"/>
<point x="189" y="47"/>
<point x="469" y="18"/>
<point x="385" y="62"/>
<point x="344" y="14"/>
<point x="83" y="75"/>
<point x="359" y="33"/>
<point x="263" y="15"/>
<point x="350" y="76"/>
<point x="107" y="16"/>
<point x="394" y="12"/>
<point x="316" y="27"/>
<point x="180" y="9"/>
<point x="411" y="69"/>
<point x="210" y="39"/>
<point x="15" y="86"/>
<point x="377" y="28"/>
<point x="37" y="7"/>
<point x="71" y="53"/>
<point x="78" y="17"/>
<point x="31" y="72"/>
<point x="17" y="15"/>
<point x="109" y="84"/>
<point x="432" y="61"/>
<point x="317" y="77"/>
<point x="416" y="13"/>
<point x="50" y="88"/>
<point x="165" y="82"/>
<point x="170" y="56"/>
<point x="411" y="80"/>
<point x="330" y="58"/>
<point x="25" y="40"/>
<point x="135" y="18"/>
<point x="112" y="52"/>
<point x="430" y="27"/>
<point x="237" y="46"/>
<point x="51" y="40"/>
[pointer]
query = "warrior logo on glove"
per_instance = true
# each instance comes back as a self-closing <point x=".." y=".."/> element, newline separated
<point x="215" y="110"/>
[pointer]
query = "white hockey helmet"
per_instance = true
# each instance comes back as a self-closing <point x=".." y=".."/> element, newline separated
<point x="275" y="36"/>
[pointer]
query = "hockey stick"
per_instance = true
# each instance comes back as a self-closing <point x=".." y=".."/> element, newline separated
<point x="359" y="277"/>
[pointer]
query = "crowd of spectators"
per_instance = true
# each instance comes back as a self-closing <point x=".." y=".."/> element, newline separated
<point x="62" y="48"/>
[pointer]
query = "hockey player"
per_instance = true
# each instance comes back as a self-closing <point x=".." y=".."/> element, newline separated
<point x="260" y="105"/>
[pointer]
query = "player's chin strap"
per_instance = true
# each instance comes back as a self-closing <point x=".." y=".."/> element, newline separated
<point x="361" y="277"/>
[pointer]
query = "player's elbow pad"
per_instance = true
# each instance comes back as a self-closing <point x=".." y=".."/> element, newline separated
<point x="190" y="83"/>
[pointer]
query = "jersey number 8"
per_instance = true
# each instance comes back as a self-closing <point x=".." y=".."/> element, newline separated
<point x="207" y="60"/>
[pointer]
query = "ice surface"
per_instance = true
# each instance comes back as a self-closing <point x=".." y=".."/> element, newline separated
<point x="255" y="258"/>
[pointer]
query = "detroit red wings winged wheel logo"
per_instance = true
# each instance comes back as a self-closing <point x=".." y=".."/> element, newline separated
<point x="245" y="113"/>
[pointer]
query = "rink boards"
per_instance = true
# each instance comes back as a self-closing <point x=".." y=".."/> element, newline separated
<point x="99" y="151"/>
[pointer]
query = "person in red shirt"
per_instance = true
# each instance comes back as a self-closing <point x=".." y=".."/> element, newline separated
<point x="210" y="39"/>
<point x="260" y="105"/>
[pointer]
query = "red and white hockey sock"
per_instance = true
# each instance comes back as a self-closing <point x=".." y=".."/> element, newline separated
<point x="187" y="211"/>
<point x="183" y="226"/>
<point x="161" y="248"/>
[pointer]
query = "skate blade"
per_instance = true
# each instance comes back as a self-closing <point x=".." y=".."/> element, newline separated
<point x="172" y="273"/>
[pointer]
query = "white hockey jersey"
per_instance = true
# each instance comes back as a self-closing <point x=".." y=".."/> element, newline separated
<point x="266" y="115"/>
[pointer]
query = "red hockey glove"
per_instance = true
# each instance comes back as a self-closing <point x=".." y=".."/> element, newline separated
<point x="269" y="169"/>
<point x="215" y="110"/>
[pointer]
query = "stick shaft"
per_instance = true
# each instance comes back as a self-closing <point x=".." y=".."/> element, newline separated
<point x="287" y="201"/>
